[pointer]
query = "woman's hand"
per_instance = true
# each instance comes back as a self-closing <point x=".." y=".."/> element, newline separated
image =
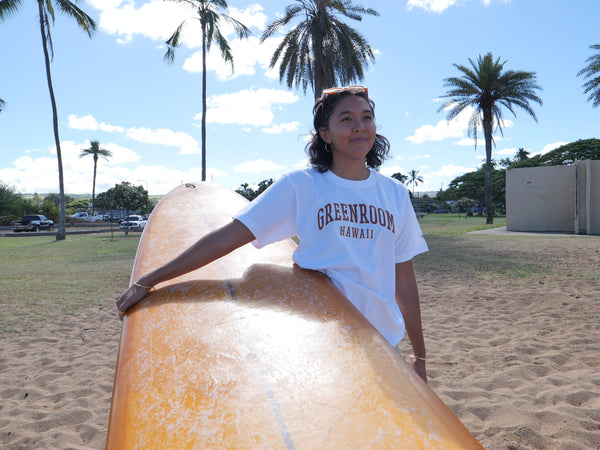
<point x="130" y="297"/>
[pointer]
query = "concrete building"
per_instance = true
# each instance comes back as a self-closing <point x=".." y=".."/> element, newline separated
<point x="562" y="199"/>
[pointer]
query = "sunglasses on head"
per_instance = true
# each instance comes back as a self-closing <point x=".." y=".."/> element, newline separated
<point x="333" y="91"/>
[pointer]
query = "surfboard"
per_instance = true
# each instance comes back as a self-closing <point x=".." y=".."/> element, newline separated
<point x="252" y="351"/>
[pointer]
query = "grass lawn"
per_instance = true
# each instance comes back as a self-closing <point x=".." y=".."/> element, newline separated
<point x="456" y="224"/>
<point x="42" y="279"/>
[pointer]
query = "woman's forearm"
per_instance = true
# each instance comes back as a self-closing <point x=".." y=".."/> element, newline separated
<point x="207" y="249"/>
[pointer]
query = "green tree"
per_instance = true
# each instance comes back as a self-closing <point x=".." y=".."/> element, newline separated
<point x="487" y="87"/>
<point x="2" y="102"/>
<point x="321" y="50"/>
<point x="472" y="185"/>
<point x="591" y="72"/>
<point x="248" y="192"/>
<point x="50" y="210"/>
<point x="11" y="203"/>
<point x="414" y="178"/>
<point x="128" y="197"/>
<point x="565" y="154"/>
<point x="400" y="177"/>
<point x="46" y="10"/>
<point x="464" y="205"/>
<point x="55" y="198"/>
<point x="95" y="151"/>
<point x="211" y="15"/>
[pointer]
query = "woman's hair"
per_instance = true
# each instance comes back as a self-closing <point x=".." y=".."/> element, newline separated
<point x="321" y="158"/>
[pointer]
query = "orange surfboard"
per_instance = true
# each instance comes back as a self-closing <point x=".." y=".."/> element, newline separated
<point x="253" y="352"/>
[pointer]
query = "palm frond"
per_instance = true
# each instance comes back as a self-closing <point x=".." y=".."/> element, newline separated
<point x="8" y="7"/>
<point x="83" y="20"/>
<point x="173" y="43"/>
<point x="592" y="73"/>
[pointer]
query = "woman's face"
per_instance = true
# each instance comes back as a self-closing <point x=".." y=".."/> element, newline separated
<point x="351" y="130"/>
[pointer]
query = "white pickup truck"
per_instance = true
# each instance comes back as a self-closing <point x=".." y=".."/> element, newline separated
<point x="134" y="222"/>
<point x="86" y="217"/>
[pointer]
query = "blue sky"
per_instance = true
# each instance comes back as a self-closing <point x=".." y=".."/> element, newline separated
<point x="116" y="88"/>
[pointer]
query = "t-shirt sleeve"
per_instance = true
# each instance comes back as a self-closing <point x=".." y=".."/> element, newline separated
<point x="271" y="217"/>
<point x="409" y="236"/>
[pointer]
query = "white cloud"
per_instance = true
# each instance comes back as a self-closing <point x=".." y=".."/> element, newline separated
<point x="451" y="170"/>
<point x="303" y="164"/>
<point x="156" y="19"/>
<point x="282" y="128"/>
<point x="90" y="123"/>
<point x="257" y="166"/>
<point x="247" y="54"/>
<point x="467" y="142"/>
<point x="391" y="170"/>
<point x="40" y="174"/>
<point x="506" y="152"/>
<point x="163" y="136"/>
<point x="440" y="131"/>
<point x="247" y="107"/>
<point x="438" y="6"/>
<point x="549" y="147"/>
<point x="82" y="123"/>
<point x="456" y="128"/>
<point x="252" y="17"/>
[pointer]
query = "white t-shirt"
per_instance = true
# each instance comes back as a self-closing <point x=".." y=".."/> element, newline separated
<point x="352" y="231"/>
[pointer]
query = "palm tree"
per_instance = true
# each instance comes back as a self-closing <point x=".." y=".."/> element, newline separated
<point x="1" y="104"/>
<point x="415" y="179"/>
<point x="522" y="155"/>
<point x="46" y="10"/>
<point x="321" y="51"/>
<point x="95" y="151"/>
<point x="592" y="71"/>
<point x="210" y="15"/>
<point x="400" y="177"/>
<point x="486" y="87"/>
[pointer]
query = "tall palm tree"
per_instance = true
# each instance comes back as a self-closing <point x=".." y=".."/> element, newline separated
<point x="95" y="151"/>
<point x="486" y="87"/>
<point x="321" y="50"/>
<point x="211" y="15"/>
<point x="592" y="72"/>
<point x="1" y="104"/>
<point x="46" y="12"/>
<point x="415" y="179"/>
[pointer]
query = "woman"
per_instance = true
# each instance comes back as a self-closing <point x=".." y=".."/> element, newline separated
<point x="355" y="225"/>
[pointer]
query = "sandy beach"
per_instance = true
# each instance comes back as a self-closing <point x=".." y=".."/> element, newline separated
<point x="517" y="360"/>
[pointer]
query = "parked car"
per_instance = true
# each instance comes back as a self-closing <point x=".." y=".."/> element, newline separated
<point x="86" y="217"/>
<point x="441" y="211"/>
<point x="134" y="222"/>
<point x="113" y="218"/>
<point x="33" y="222"/>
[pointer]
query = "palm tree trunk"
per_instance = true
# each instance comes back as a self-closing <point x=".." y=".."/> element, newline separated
<point x="487" y="132"/>
<point x="60" y="234"/>
<point x="94" y="185"/>
<point x="203" y="101"/>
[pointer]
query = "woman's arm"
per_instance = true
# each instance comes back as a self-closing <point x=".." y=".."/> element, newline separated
<point x="407" y="296"/>
<point x="207" y="249"/>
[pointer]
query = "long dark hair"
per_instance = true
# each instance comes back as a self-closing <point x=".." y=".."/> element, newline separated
<point x="321" y="158"/>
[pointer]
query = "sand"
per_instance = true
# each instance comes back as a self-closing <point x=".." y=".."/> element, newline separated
<point x="517" y="361"/>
